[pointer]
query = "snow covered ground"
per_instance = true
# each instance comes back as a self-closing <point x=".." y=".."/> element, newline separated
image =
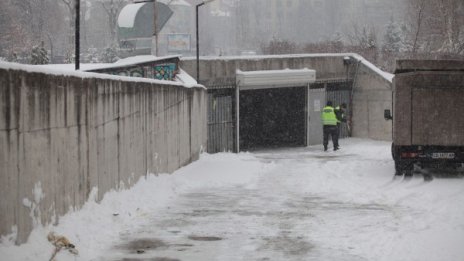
<point x="285" y="204"/>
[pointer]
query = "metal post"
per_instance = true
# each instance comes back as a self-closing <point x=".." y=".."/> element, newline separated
<point x="198" y="42"/>
<point x="237" y="118"/>
<point x="308" y="107"/>
<point x="155" y="26"/>
<point x="77" y="36"/>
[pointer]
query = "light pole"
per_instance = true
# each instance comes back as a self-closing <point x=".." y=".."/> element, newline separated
<point x="198" y="41"/>
<point x="77" y="36"/>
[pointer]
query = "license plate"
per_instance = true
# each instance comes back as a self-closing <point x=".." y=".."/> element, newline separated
<point x="443" y="155"/>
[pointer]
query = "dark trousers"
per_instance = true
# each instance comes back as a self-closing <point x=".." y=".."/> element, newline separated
<point x="331" y="130"/>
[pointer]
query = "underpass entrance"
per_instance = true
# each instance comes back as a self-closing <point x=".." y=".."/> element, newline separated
<point x="278" y="110"/>
<point x="271" y="108"/>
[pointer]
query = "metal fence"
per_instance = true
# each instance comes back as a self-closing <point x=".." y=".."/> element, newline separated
<point x="221" y="125"/>
<point x="338" y="93"/>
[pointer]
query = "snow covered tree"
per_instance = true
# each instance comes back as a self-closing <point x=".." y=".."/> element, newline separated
<point x="110" y="55"/>
<point x="277" y="46"/>
<point x="39" y="55"/>
<point x="337" y="38"/>
<point x="365" y="37"/>
<point x="91" y="56"/>
<point x="392" y="39"/>
<point x="69" y="57"/>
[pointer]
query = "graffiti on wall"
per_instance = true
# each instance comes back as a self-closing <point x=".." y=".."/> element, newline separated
<point x="164" y="71"/>
<point x="132" y="72"/>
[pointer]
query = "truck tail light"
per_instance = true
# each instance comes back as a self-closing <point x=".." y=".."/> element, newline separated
<point x="409" y="154"/>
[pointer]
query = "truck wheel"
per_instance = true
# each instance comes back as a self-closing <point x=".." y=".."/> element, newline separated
<point x="408" y="169"/>
<point x="398" y="168"/>
<point x="408" y="173"/>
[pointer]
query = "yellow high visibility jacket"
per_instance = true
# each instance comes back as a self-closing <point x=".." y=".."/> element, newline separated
<point x="328" y="116"/>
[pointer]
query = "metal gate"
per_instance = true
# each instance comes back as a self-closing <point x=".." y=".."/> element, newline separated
<point x="221" y="113"/>
<point x="221" y="124"/>
<point x="338" y="93"/>
<point x="316" y="101"/>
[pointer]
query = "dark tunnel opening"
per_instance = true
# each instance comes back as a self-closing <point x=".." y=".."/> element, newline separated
<point x="272" y="118"/>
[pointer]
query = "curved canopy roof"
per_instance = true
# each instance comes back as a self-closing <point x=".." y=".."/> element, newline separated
<point x="127" y="15"/>
<point x="138" y="18"/>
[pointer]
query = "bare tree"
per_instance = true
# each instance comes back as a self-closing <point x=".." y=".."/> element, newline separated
<point x="112" y="9"/>
<point x="418" y="6"/>
<point x="436" y="26"/>
<point x="71" y="8"/>
<point x="25" y="24"/>
<point x="277" y="46"/>
<point x="451" y="23"/>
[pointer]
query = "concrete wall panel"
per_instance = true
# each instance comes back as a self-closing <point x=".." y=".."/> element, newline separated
<point x="61" y="136"/>
<point x="221" y="71"/>
<point x="372" y="94"/>
<point x="8" y="180"/>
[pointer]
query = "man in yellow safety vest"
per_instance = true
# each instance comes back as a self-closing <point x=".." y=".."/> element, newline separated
<point x="329" y="122"/>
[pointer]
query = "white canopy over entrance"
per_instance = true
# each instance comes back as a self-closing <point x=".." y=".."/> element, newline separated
<point x="275" y="78"/>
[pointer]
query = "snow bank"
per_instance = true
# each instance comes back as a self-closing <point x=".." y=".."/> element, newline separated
<point x="97" y="225"/>
<point x="354" y="209"/>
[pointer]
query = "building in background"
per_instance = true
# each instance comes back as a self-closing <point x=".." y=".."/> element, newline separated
<point x="177" y="35"/>
<point x="174" y="22"/>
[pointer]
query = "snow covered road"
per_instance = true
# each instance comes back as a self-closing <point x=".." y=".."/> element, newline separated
<point x="286" y="204"/>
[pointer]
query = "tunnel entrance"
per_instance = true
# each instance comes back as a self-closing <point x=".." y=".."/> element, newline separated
<point x="272" y="118"/>
<point x="271" y="108"/>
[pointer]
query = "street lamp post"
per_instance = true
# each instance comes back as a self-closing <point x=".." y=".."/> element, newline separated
<point x="198" y="41"/>
<point x="77" y="36"/>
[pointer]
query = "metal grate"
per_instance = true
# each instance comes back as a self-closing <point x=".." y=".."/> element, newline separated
<point x="221" y="125"/>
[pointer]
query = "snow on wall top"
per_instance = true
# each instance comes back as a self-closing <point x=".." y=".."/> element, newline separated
<point x="126" y="62"/>
<point x="386" y="75"/>
<point x="68" y="70"/>
<point x="127" y="15"/>
<point x="134" y="60"/>
<point x="186" y="79"/>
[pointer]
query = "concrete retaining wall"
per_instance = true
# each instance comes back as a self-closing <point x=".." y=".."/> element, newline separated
<point x="61" y="136"/>
<point x="371" y="95"/>
<point x="221" y="70"/>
